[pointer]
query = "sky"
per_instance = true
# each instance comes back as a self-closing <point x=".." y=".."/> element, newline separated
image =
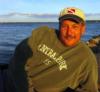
<point x="42" y="10"/>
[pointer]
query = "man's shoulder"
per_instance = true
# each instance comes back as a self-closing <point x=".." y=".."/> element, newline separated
<point x="88" y="52"/>
<point x="41" y="32"/>
<point x="85" y="46"/>
<point x="42" y="29"/>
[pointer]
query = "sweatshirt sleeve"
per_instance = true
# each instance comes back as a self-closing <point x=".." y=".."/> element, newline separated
<point x="17" y="76"/>
<point x="90" y="84"/>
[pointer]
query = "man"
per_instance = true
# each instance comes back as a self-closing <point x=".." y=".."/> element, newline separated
<point x="55" y="62"/>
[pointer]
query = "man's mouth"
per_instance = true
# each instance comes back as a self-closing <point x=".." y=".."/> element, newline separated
<point x="69" y="37"/>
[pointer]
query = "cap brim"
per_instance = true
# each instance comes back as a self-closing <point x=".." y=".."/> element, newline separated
<point x="71" y="17"/>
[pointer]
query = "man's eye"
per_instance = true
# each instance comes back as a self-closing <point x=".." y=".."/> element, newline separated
<point x="75" y="27"/>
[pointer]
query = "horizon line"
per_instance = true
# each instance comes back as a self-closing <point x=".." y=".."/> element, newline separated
<point x="41" y="21"/>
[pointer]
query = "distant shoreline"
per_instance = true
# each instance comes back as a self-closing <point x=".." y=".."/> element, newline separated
<point x="47" y="22"/>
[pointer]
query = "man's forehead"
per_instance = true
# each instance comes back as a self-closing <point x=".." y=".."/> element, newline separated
<point x="71" y="21"/>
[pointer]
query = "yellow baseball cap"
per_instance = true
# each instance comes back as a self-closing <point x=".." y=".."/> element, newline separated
<point x="72" y="13"/>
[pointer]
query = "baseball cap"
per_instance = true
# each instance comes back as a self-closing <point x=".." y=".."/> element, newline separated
<point x="72" y="13"/>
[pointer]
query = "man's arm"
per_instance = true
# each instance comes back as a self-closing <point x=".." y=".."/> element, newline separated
<point x="90" y="84"/>
<point x="17" y="76"/>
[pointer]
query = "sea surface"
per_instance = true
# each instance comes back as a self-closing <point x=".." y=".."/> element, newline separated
<point x="12" y="34"/>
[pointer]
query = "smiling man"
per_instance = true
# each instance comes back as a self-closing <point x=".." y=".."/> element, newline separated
<point x="71" y="32"/>
<point x="50" y="61"/>
<point x="72" y="26"/>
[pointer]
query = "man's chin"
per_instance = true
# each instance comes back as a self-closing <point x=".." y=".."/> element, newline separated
<point x="70" y="44"/>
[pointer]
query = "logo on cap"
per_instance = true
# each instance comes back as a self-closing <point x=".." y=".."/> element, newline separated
<point x="71" y="11"/>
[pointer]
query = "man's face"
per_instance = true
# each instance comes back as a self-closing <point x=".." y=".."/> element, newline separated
<point x="71" y="32"/>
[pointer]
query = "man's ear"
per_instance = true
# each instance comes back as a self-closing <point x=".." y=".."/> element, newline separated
<point x="83" y="29"/>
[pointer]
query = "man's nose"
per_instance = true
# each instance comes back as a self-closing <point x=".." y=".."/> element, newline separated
<point x="69" y="31"/>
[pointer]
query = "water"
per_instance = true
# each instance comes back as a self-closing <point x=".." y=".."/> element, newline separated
<point x="12" y="34"/>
